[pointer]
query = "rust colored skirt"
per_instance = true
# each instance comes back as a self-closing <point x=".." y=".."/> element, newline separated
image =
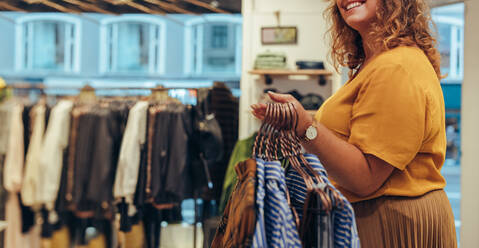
<point x="394" y="221"/>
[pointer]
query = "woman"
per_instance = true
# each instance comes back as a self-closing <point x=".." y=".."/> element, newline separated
<point x="381" y="137"/>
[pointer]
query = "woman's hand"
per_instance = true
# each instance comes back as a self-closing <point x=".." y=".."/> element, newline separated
<point x="304" y="118"/>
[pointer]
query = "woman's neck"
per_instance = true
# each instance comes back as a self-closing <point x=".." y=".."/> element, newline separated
<point x="370" y="49"/>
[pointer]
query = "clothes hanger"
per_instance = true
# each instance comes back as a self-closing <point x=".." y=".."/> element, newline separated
<point x="87" y="95"/>
<point x="159" y="94"/>
<point x="277" y="140"/>
<point x="218" y="84"/>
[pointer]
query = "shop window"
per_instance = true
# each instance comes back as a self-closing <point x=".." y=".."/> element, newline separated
<point x="133" y="45"/>
<point x="219" y="37"/>
<point x="450" y="28"/>
<point x="449" y="20"/>
<point x="213" y="46"/>
<point x="48" y="43"/>
<point x="453" y="140"/>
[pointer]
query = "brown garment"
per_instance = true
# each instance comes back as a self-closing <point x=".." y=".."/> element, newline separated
<point x="396" y="221"/>
<point x="169" y="128"/>
<point x="76" y="113"/>
<point x="151" y="130"/>
<point x="237" y="225"/>
<point x="95" y="142"/>
<point x="226" y="109"/>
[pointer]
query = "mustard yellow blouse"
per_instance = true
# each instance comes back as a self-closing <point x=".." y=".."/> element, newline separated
<point x="394" y="109"/>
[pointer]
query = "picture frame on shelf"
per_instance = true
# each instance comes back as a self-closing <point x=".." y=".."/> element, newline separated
<point x="279" y="35"/>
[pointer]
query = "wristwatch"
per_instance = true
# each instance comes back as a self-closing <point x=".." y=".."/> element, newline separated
<point x="311" y="133"/>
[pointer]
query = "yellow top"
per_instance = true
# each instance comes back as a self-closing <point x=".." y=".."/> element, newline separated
<point x="394" y="109"/>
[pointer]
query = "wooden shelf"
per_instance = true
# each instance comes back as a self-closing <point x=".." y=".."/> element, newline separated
<point x="291" y="72"/>
<point x="269" y="74"/>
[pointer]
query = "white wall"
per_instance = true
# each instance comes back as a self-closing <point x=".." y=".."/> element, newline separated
<point x="470" y="129"/>
<point x="307" y="16"/>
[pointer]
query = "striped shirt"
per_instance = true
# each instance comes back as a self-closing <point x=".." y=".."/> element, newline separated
<point x="275" y="226"/>
<point x="342" y="216"/>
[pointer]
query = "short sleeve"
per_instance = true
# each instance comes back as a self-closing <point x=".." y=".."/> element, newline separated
<point x="389" y="115"/>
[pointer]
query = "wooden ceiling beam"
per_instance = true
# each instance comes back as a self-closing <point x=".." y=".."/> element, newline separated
<point x="169" y="7"/>
<point x="58" y="7"/>
<point x="119" y="6"/>
<point x="9" y="7"/>
<point x="144" y="8"/>
<point x="89" y="7"/>
<point x="206" y="6"/>
<point x="52" y="5"/>
<point x="135" y="5"/>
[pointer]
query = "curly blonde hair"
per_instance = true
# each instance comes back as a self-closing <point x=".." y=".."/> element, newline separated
<point x="399" y="23"/>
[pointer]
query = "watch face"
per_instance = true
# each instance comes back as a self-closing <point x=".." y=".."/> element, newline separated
<point x="311" y="133"/>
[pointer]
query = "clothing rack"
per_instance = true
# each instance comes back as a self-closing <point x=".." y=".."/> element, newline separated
<point x="40" y="86"/>
<point x="87" y="87"/>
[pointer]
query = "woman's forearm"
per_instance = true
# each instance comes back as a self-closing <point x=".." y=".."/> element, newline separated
<point x="359" y="173"/>
<point x="346" y="164"/>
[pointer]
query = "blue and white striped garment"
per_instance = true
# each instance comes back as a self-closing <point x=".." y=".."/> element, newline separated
<point x="345" y="230"/>
<point x="275" y="226"/>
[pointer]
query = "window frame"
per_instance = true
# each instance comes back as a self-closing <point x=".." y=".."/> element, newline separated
<point x="20" y="66"/>
<point x="135" y="18"/>
<point x="190" y="68"/>
<point x="456" y="49"/>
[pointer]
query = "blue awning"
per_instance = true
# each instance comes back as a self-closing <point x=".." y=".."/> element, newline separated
<point x="452" y="96"/>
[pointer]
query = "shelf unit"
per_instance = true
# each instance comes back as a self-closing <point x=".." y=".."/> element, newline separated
<point x="269" y="74"/>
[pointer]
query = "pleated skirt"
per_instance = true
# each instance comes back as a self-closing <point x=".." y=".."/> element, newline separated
<point x="406" y="222"/>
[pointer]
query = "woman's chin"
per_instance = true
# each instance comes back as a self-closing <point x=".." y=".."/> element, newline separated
<point x="357" y="22"/>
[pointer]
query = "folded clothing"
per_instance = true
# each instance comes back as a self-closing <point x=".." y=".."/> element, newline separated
<point x="270" y="60"/>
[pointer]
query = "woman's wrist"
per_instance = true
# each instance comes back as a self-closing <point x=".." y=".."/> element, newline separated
<point x="301" y="130"/>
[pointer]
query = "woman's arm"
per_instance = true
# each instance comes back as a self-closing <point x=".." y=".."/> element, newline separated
<point x="360" y="173"/>
<point x="357" y="172"/>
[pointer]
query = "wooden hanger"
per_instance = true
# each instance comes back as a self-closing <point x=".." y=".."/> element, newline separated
<point x="159" y="94"/>
<point x="87" y="94"/>
<point x="218" y="84"/>
<point x="277" y="140"/>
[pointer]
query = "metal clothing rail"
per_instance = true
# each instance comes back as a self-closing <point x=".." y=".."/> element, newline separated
<point x="50" y="90"/>
<point x="43" y="87"/>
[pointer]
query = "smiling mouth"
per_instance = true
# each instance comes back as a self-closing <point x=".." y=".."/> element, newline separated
<point x="353" y="5"/>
